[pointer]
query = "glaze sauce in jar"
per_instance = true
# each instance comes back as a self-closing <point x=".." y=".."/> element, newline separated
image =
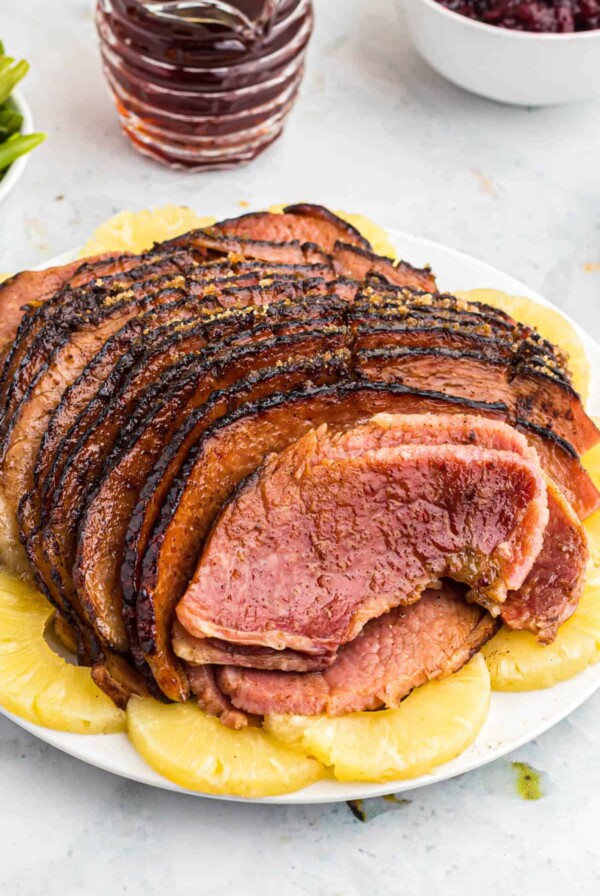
<point x="202" y="83"/>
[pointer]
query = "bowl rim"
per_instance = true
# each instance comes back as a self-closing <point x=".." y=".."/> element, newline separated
<point x="531" y="36"/>
<point x="18" y="166"/>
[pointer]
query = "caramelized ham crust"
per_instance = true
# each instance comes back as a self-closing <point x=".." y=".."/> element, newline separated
<point x="30" y="289"/>
<point x="133" y="406"/>
<point x="304" y="223"/>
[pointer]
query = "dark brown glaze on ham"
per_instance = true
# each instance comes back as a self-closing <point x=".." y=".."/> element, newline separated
<point x="30" y="288"/>
<point x="87" y="309"/>
<point x="105" y="372"/>
<point x="302" y="223"/>
<point x="353" y="261"/>
<point x="321" y="541"/>
<point x="85" y="280"/>
<point x="393" y="654"/>
<point x="29" y="422"/>
<point x="528" y="392"/>
<point x="40" y="331"/>
<point x="194" y="364"/>
<point x="214" y="243"/>
<point x="100" y="554"/>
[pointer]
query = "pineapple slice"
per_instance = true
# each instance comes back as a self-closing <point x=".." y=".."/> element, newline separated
<point x="197" y="752"/>
<point x="137" y="231"/>
<point x="36" y="683"/>
<point x="549" y="323"/>
<point x="433" y="725"/>
<point x="372" y="232"/>
<point x="517" y="662"/>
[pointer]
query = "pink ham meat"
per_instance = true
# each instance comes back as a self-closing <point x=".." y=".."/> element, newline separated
<point x="204" y="687"/>
<point x="552" y="589"/>
<point x="323" y="539"/>
<point x="199" y="651"/>
<point x="392" y="655"/>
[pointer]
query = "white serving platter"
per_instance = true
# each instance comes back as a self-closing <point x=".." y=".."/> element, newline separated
<point x="514" y="719"/>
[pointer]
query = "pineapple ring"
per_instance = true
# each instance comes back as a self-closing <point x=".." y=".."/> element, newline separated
<point x="435" y="723"/>
<point x="549" y="323"/>
<point x="137" y="231"/>
<point x="517" y="662"/>
<point x="197" y="752"/>
<point x="36" y="683"/>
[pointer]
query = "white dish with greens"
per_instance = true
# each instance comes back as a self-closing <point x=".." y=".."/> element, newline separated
<point x="17" y="137"/>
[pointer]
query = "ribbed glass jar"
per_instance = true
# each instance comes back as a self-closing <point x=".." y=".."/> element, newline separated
<point x="206" y="84"/>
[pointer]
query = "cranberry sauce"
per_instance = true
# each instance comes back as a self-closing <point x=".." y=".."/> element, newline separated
<point x="546" y="16"/>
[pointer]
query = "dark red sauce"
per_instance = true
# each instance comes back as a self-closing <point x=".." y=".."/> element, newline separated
<point x="545" y="16"/>
<point x="203" y="84"/>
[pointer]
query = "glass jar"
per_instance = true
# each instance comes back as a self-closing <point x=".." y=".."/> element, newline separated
<point x="202" y="84"/>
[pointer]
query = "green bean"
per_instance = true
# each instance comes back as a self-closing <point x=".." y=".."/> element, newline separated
<point x="10" y="78"/>
<point x="12" y="143"/>
<point x="16" y="146"/>
<point x="11" y="122"/>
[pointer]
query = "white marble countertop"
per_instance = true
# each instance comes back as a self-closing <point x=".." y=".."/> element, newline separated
<point x="374" y="131"/>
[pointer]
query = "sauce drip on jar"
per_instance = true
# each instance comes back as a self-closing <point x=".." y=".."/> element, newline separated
<point x="202" y="83"/>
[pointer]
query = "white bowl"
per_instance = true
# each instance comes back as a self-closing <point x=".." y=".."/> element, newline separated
<point x="18" y="167"/>
<point x="515" y="67"/>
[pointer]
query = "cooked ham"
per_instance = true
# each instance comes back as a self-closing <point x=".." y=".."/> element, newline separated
<point x="315" y="546"/>
<point x="205" y="689"/>
<point x="30" y="289"/>
<point x="354" y="261"/>
<point x="551" y="591"/>
<point x="304" y="223"/>
<point x="393" y="654"/>
<point x="137" y="419"/>
<point x="202" y="651"/>
<point x="564" y="539"/>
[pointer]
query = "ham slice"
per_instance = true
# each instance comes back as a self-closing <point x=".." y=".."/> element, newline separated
<point x="379" y="668"/>
<point x="324" y="538"/>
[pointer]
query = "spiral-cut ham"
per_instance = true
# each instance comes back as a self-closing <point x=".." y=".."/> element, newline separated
<point x="139" y="393"/>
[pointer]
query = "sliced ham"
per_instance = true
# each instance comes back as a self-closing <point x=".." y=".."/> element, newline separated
<point x="552" y="589"/>
<point x="393" y="654"/>
<point x="304" y="223"/>
<point x="29" y="289"/>
<point x="316" y="545"/>
<point x="201" y="651"/>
